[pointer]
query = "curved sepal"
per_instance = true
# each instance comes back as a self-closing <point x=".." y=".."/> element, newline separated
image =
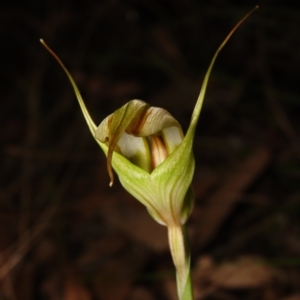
<point x="135" y="118"/>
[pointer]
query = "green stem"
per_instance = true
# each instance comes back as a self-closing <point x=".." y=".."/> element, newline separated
<point x="180" y="252"/>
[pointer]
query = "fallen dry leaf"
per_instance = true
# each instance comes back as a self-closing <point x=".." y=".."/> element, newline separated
<point x="135" y="222"/>
<point x="140" y="293"/>
<point x="115" y="277"/>
<point x="293" y="297"/>
<point x="245" y="273"/>
<point x="74" y="289"/>
<point x="220" y="204"/>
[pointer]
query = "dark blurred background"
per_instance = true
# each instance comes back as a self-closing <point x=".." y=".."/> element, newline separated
<point x="64" y="234"/>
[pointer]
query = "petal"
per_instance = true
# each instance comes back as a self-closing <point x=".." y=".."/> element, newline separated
<point x="138" y="183"/>
<point x="84" y="110"/>
<point x="158" y="151"/>
<point x="198" y="106"/>
<point x="155" y="120"/>
<point x="112" y="128"/>
<point x="172" y="137"/>
<point x="136" y="150"/>
<point x="172" y="180"/>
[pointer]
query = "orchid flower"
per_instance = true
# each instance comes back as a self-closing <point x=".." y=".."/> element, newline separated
<point x="155" y="163"/>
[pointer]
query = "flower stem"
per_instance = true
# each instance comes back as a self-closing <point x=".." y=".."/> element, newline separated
<point x="180" y="252"/>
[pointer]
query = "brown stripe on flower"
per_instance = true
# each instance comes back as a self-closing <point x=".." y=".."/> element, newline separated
<point x="158" y="151"/>
<point x="140" y="122"/>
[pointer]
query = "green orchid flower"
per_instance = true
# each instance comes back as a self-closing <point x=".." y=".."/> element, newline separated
<point x="148" y="151"/>
<point x="154" y="161"/>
